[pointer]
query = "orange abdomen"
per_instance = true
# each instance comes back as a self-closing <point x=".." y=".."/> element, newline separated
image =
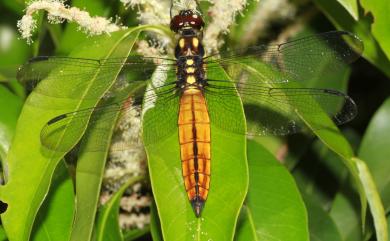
<point x="194" y="137"/>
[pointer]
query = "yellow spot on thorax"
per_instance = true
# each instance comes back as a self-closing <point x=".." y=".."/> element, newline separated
<point x="190" y="79"/>
<point x="190" y="62"/>
<point x="195" y="42"/>
<point x="181" y="43"/>
<point x="190" y="70"/>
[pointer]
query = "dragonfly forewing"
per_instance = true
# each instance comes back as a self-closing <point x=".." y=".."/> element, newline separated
<point x="99" y="71"/>
<point x="279" y="108"/>
<point x="301" y="59"/>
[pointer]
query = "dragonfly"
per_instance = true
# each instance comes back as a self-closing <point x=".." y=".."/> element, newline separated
<point x="269" y="80"/>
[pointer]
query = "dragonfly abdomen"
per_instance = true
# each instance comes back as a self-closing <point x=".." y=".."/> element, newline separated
<point x="194" y="137"/>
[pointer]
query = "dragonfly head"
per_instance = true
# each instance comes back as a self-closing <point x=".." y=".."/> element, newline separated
<point x="187" y="19"/>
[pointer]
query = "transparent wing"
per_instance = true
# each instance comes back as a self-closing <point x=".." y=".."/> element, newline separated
<point x="61" y="133"/>
<point x="301" y="59"/>
<point x="277" y="108"/>
<point x="279" y="111"/>
<point x="133" y="69"/>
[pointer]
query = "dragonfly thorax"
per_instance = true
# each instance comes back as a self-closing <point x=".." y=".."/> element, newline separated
<point x="189" y="53"/>
<point x="188" y="46"/>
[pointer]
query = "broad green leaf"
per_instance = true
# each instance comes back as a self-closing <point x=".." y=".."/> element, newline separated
<point x="366" y="187"/>
<point x="337" y="143"/>
<point x="343" y="21"/>
<point x="380" y="26"/>
<point x="345" y="213"/>
<point x="90" y="169"/>
<point x="374" y="200"/>
<point x="321" y="173"/>
<point x="3" y="235"/>
<point x="321" y="225"/>
<point x="351" y="6"/>
<point x="155" y="225"/>
<point x="229" y="177"/>
<point x="108" y="219"/>
<point x="375" y="151"/>
<point x="388" y="224"/>
<point x="316" y="119"/>
<point x="135" y="234"/>
<point x="10" y="106"/>
<point x="274" y="208"/>
<point x="246" y="228"/>
<point x="29" y="163"/>
<point x="54" y="219"/>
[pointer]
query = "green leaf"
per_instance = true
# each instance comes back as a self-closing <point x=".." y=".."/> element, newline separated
<point x="345" y="213"/>
<point x="374" y="200"/>
<point x="3" y="235"/>
<point x="331" y="137"/>
<point x="336" y="142"/>
<point x="274" y="208"/>
<point x="321" y="225"/>
<point x="71" y="36"/>
<point x="228" y="167"/>
<point x="29" y="163"/>
<point x="10" y="106"/>
<point x="321" y="173"/>
<point x="108" y="219"/>
<point x="155" y="225"/>
<point x="135" y="234"/>
<point x="351" y="6"/>
<point x="54" y="219"/>
<point x="380" y="26"/>
<point x="345" y="209"/>
<point x="317" y="119"/>
<point x="90" y="170"/>
<point x="343" y="21"/>
<point x="375" y="151"/>
<point x="388" y="224"/>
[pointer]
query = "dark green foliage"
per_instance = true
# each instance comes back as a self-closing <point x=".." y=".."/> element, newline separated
<point x="320" y="191"/>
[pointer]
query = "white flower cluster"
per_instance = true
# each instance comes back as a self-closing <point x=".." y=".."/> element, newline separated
<point x="133" y="220"/>
<point x="222" y="12"/>
<point x="150" y="11"/>
<point x="134" y="205"/>
<point x="223" y="15"/>
<point x="58" y="12"/>
<point x="127" y="155"/>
